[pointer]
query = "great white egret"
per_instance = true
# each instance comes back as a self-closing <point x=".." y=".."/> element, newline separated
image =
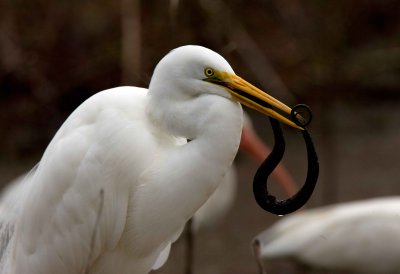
<point x="217" y="206"/>
<point x="357" y="237"/>
<point x="118" y="181"/>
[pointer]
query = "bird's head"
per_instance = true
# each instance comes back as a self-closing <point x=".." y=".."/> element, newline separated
<point x="195" y="70"/>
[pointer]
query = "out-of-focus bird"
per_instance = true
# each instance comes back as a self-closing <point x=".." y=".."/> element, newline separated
<point x="118" y="181"/>
<point x="357" y="237"/>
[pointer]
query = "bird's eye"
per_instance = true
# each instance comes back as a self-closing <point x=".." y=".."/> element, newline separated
<point x="209" y="72"/>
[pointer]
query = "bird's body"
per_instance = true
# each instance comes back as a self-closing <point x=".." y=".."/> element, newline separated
<point x="358" y="237"/>
<point x="62" y="182"/>
<point x="118" y="181"/>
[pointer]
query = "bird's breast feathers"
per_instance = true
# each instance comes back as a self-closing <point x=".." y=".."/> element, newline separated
<point x="99" y="149"/>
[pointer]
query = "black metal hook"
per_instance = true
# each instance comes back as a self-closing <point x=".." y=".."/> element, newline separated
<point x="269" y="202"/>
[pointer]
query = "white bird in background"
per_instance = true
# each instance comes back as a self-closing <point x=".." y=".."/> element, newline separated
<point x="357" y="237"/>
<point x="118" y="181"/>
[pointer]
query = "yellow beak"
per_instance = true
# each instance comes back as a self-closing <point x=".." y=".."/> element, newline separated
<point x="251" y="96"/>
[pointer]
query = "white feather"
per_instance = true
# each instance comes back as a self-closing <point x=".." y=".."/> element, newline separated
<point x="362" y="237"/>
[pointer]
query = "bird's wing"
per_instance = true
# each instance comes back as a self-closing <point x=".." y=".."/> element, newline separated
<point x="357" y="234"/>
<point x="334" y="236"/>
<point x="81" y="188"/>
<point x="10" y="208"/>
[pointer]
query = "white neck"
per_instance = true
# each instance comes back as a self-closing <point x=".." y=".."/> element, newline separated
<point x="194" y="170"/>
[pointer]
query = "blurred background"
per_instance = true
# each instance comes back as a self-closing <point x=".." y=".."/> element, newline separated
<point x="342" y="58"/>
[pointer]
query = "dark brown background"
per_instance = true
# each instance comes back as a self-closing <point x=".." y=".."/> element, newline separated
<point x="340" y="57"/>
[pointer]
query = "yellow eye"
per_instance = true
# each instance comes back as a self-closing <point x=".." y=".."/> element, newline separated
<point x="209" y="72"/>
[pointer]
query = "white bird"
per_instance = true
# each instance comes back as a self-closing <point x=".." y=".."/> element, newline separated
<point x="118" y="181"/>
<point x="358" y="237"/>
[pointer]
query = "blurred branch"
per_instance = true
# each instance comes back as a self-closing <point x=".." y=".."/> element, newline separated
<point x="11" y="56"/>
<point x="131" y="41"/>
<point x="173" y="13"/>
<point x="293" y="15"/>
<point x="15" y="59"/>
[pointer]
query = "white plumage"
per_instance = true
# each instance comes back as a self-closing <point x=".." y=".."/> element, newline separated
<point x="119" y="170"/>
<point x="360" y="237"/>
<point x="217" y="206"/>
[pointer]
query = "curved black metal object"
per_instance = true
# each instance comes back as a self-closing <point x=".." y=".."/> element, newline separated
<point x="269" y="202"/>
<point x="300" y="113"/>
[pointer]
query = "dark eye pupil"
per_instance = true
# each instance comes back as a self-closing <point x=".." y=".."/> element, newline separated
<point x="209" y="72"/>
